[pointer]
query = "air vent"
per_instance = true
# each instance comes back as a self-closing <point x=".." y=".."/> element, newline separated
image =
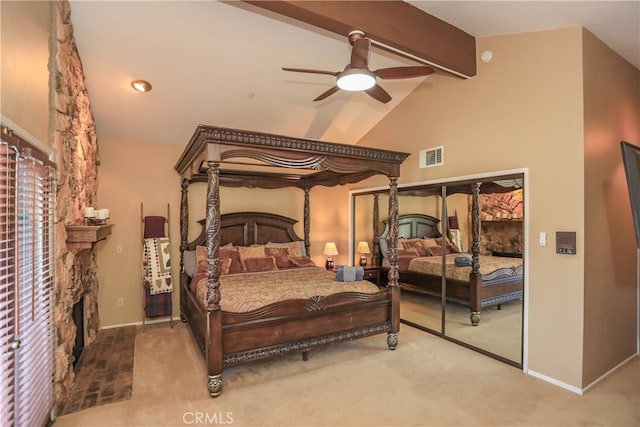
<point x="432" y="157"/>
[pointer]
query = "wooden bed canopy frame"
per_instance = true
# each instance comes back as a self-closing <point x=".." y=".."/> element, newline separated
<point x="237" y="158"/>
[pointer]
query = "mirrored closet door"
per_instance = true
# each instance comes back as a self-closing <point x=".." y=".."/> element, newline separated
<point x="460" y="259"/>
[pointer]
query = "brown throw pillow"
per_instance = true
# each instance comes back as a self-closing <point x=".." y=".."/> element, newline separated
<point x="408" y="252"/>
<point x="201" y="258"/>
<point x="281" y="256"/>
<point x="232" y="253"/>
<point x="417" y="246"/>
<point x="295" y="248"/>
<point x="302" y="261"/>
<point x="225" y="265"/>
<point x="255" y="265"/>
<point x="436" y="251"/>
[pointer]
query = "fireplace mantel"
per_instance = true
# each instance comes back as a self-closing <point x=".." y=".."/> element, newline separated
<point x="80" y="237"/>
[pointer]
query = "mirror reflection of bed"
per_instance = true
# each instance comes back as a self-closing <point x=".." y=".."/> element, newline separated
<point x="500" y="236"/>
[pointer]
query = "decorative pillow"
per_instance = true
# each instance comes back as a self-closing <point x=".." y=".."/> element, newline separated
<point x="436" y="251"/>
<point x="302" y="261"/>
<point x="246" y="252"/>
<point x="281" y="256"/>
<point x="235" y="265"/>
<point x="295" y="248"/>
<point x="190" y="262"/>
<point x="229" y="260"/>
<point x="416" y="245"/>
<point x="225" y="266"/>
<point x="408" y="252"/>
<point x="429" y="243"/>
<point x="406" y="243"/>
<point x="451" y="248"/>
<point x="201" y="257"/>
<point x="254" y="265"/>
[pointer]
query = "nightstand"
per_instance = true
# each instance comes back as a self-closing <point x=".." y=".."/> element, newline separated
<point x="372" y="274"/>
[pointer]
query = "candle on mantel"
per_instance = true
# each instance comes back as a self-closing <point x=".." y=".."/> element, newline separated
<point x="89" y="212"/>
<point x="102" y="214"/>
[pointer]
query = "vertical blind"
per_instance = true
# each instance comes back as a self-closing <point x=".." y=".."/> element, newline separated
<point x="26" y="281"/>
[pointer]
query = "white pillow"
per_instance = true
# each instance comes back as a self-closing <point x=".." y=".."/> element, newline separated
<point x="190" y="262"/>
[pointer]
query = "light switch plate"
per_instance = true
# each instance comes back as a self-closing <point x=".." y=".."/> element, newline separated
<point x="543" y="239"/>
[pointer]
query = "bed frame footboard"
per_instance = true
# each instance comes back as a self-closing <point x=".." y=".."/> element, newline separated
<point x="229" y="339"/>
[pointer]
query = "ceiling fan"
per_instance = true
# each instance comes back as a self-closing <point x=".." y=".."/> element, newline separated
<point x="356" y="76"/>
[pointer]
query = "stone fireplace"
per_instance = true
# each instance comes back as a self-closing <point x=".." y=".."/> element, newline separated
<point x="76" y="153"/>
<point x="502" y="238"/>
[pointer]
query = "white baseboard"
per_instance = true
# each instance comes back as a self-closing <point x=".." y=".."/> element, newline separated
<point x="578" y="390"/>
<point x="555" y="382"/>
<point x="165" y="319"/>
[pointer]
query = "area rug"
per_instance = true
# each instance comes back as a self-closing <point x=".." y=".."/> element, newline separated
<point x="105" y="371"/>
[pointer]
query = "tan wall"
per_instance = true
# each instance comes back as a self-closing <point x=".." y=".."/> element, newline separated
<point x="522" y="110"/>
<point x="612" y="114"/>
<point x="132" y="173"/>
<point x="127" y="179"/>
<point x="24" y="54"/>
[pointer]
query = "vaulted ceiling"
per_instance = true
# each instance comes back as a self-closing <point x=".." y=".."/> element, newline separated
<point x="219" y="63"/>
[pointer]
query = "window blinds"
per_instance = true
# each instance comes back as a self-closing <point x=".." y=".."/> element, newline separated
<point x="8" y="159"/>
<point x="26" y="281"/>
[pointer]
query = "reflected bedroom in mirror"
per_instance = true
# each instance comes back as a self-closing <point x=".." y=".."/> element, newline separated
<point x="462" y="278"/>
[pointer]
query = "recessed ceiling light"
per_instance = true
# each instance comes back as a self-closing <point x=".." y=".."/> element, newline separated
<point x="141" y="85"/>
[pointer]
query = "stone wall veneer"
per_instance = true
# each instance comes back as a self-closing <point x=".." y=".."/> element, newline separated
<point x="76" y="152"/>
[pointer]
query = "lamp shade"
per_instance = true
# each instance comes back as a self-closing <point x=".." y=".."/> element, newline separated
<point x="363" y="248"/>
<point x="330" y="249"/>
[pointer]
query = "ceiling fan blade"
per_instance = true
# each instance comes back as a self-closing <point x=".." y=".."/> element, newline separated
<point x="360" y="53"/>
<point x="379" y="94"/>
<point x="327" y="93"/>
<point x="304" y="70"/>
<point x="404" y="72"/>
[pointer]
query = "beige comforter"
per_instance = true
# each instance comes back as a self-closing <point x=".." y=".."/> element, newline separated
<point x="488" y="266"/>
<point x="245" y="292"/>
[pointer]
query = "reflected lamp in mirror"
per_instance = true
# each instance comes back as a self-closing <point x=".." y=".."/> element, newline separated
<point x="363" y="250"/>
<point x="330" y="250"/>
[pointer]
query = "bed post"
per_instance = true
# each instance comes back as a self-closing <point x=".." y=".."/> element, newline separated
<point x="307" y="222"/>
<point x="376" y="232"/>
<point x="184" y="219"/>
<point x="184" y="228"/>
<point x="392" y="287"/>
<point x="214" y="313"/>
<point x="474" y="277"/>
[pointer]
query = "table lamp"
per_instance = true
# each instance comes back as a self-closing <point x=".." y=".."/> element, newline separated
<point x="330" y="250"/>
<point x="363" y="250"/>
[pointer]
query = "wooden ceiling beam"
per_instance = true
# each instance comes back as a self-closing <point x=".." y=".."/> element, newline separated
<point x="395" y="24"/>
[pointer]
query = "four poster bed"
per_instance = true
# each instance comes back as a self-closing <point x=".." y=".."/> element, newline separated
<point x="482" y="282"/>
<point x="233" y="328"/>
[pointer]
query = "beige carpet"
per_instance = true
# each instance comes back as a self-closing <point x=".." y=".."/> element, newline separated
<point x="499" y="331"/>
<point x="427" y="381"/>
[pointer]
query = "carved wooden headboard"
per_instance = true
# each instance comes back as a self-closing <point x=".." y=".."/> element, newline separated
<point x="251" y="228"/>
<point x="411" y="226"/>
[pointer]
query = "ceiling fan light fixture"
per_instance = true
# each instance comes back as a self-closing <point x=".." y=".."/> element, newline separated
<point x="141" y="85"/>
<point x="354" y="80"/>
